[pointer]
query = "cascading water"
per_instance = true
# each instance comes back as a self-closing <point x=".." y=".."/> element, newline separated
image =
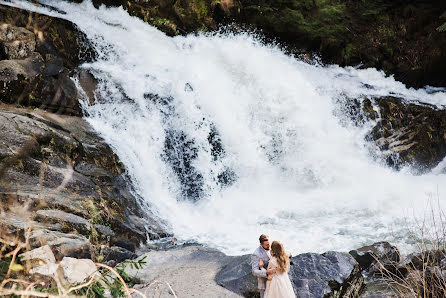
<point x="227" y="138"/>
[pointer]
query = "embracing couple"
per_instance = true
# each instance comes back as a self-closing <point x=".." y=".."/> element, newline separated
<point x="270" y="263"/>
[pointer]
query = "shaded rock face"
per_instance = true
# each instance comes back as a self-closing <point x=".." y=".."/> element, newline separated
<point x="17" y="42"/>
<point x="406" y="133"/>
<point x="375" y="258"/>
<point x="332" y="274"/>
<point x="237" y="277"/>
<point x="409" y="134"/>
<point x="54" y="36"/>
<point x="40" y="53"/>
<point x="58" y="176"/>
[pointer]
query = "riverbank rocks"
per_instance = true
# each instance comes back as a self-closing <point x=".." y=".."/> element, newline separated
<point x="16" y="42"/>
<point x="188" y="270"/>
<point x="195" y="270"/>
<point x="376" y="258"/>
<point x="68" y="271"/>
<point x="41" y="187"/>
<point x="331" y="274"/>
<point x="77" y="270"/>
<point x="410" y="133"/>
<point x="39" y="54"/>
<point x="114" y="254"/>
<point x="62" y="244"/>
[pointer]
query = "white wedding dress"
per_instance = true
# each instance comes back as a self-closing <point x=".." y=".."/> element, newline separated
<point x="279" y="286"/>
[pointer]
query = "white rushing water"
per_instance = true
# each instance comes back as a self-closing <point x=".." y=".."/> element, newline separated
<point x="288" y="164"/>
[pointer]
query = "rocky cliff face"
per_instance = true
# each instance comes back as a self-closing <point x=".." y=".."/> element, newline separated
<point x="57" y="176"/>
<point x="405" y="133"/>
<point x="38" y="55"/>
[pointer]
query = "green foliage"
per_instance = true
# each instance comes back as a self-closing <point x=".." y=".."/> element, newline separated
<point x="4" y="265"/>
<point x="323" y="19"/>
<point x="159" y="21"/>
<point x="442" y="28"/>
<point x="200" y="8"/>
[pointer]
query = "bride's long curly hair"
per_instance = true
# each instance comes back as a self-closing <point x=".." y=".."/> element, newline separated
<point x="282" y="257"/>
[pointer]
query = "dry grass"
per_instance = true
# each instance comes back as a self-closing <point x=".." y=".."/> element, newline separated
<point x="422" y="273"/>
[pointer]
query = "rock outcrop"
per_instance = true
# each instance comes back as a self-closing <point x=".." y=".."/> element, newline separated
<point x="38" y="55"/>
<point x="375" y="258"/>
<point x="62" y="180"/>
<point x="412" y="133"/>
<point x="331" y="274"/>
<point x="189" y="270"/>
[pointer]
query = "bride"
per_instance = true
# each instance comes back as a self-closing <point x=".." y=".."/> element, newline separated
<point x="278" y="284"/>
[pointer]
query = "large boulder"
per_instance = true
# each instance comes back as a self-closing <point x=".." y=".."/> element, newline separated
<point x="38" y="65"/>
<point x="376" y="258"/>
<point x="409" y="133"/>
<point x="237" y="276"/>
<point x="54" y="36"/>
<point x="190" y="271"/>
<point x="331" y="274"/>
<point x="16" y="42"/>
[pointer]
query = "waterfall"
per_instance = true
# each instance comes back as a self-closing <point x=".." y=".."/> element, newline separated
<point x="226" y="138"/>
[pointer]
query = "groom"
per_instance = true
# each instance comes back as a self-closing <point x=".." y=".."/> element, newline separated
<point x="261" y="253"/>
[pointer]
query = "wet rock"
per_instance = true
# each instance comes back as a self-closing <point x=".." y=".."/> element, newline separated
<point x="53" y="65"/>
<point x="420" y="260"/>
<point x="332" y="274"/>
<point x="377" y="257"/>
<point x="115" y="254"/>
<point x="33" y="65"/>
<point x="124" y="243"/>
<point x="16" y="42"/>
<point x="237" y="277"/>
<point x="88" y="83"/>
<point x="55" y="36"/>
<point x="58" y="95"/>
<point x="410" y="134"/>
